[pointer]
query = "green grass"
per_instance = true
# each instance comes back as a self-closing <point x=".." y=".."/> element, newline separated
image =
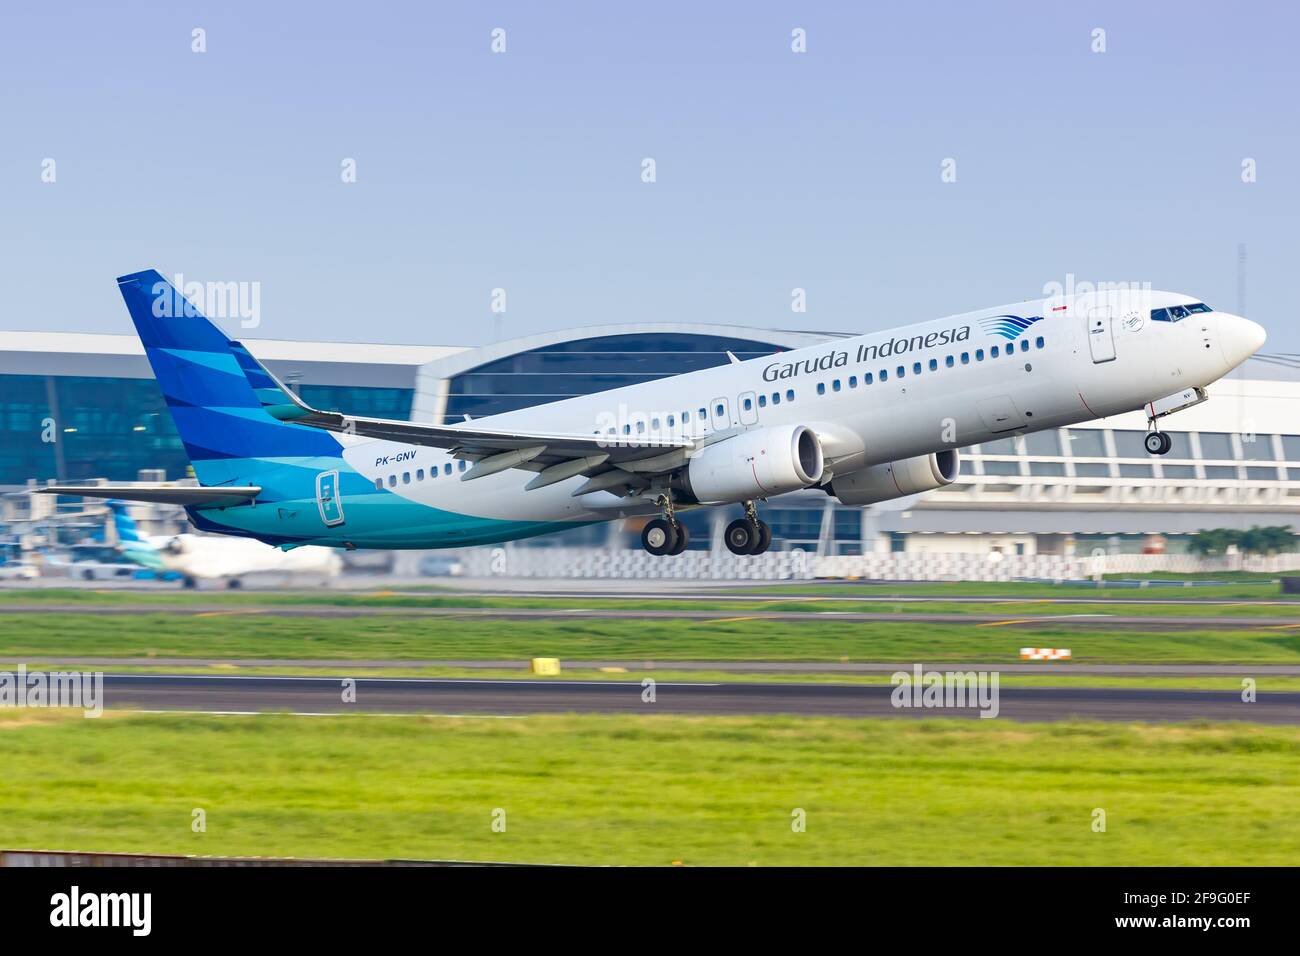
<point x="1010" y="607"/>
<point x="238" y="636"/>
<point x="653" y="789"/>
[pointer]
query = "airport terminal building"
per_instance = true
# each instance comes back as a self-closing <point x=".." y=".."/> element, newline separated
<point x="77" y="406"/>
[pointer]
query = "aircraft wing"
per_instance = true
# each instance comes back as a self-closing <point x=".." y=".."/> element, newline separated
<point x="216" y="496"/>
<point x="612" y="461"/>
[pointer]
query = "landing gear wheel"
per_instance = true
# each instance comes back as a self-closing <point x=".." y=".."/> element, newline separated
<point x="683" y="539"/>
<point x="740" y="536"/>
<point x="1158" y="443"/>
<point x="659" y="537"/>
<point x="763" y="539"/>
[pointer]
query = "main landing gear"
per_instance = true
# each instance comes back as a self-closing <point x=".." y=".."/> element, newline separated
<point x="748" y="535"/>
<point x="1158" y="443"/>
<point x="665" y="535"/>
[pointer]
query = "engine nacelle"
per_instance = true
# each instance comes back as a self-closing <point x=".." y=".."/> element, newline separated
<point x="896" y="479"/>
<point x="756" y="464"/>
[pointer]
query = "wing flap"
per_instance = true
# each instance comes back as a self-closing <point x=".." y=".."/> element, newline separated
<point x="188" y="495"/>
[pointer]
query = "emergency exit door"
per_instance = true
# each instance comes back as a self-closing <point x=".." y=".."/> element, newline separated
<point x="327" y="498"/>
<point x="1101" y="335"/>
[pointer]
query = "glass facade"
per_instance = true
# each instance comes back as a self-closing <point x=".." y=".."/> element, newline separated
<point x="584" y="366"/>
<point x="72" y="428"/>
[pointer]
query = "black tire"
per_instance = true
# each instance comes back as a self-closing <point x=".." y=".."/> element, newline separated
<point x="658" y="537"/>
<point x="683" y="539"/>
<point x="189" y="584"/>
<point x="1168" y="443"/>
<point x="234" y="584"/>
<point x="740" y="536"/>
<point x="1155" y="443"/>
<point x="763" y="540"/>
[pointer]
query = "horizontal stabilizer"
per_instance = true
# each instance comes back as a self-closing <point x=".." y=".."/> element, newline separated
<point x="190" y="495"/>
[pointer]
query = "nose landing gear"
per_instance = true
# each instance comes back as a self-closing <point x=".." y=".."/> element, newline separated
<point x="1158" y="443"/>
<point x="748" y="535"/>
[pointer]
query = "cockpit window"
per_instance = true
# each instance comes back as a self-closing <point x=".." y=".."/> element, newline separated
<point x="1177" y="312"/>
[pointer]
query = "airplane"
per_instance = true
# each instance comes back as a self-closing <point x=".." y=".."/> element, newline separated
<point x="866" y="419"/>
<point x="204" y="557"/>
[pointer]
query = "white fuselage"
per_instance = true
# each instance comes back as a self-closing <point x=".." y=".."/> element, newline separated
<point x="871" y="399"/>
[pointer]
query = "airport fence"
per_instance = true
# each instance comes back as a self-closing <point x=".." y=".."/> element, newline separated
<point x="797" y="565"/>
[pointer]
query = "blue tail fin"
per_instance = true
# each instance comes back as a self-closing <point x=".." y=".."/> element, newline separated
<point x="221" y="420"/>
<point x="127" y="532"/>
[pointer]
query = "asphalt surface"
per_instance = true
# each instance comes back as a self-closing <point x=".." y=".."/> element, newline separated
<point x="1090" y="620"/>
<point x="321" y="695"/>
<point x="848" y="668"/>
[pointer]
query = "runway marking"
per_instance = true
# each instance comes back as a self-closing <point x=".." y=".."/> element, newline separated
<point x="1004" y="623"/>
<point x="726" y="620"/>
<point x="254" y="610"/>
<point x="327" y="713"/>
<point x="1281" y="627"/>
<point x="325" y="678"/>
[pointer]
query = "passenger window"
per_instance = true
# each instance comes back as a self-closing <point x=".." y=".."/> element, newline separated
<point x="776" y="398"/>
<point x="821" y="388"/>
<point x="419" y="474"/>
<point x="686" y="417"/>
<point x="704" y="414"/>
<point x="762" y="401"/>
<point x="993" y="352"/>
<point x="948" y="361"/>
<point x="901" y="371"/>
<point x="965" y="358"/>
<point x="884" y="375"/>
<point x="853" y="381"/>
<point x="392" y="481"/>
<point x="654" y="424"/>
<point x="640" y="426"/>
<point x="1024" y="345"/>
<point x="406" y="477"/>
<point x="461" y="464"/>
<point x="835" y="385"/>
<point x="1038" y="342"/>
<point x="979" y="355"/>
<point x="867" y="379"/>
<point x="379" y="484"/>
<point x="447" y="468"/>
<point x="672" y="421"/>
<point x="916" y="368"/>
<point x="789" y="394"/>
<point x="721" y="410"/>
<point x="934" y="365"/>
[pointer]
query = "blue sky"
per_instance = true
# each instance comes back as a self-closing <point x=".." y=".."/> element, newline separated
<point x="522" y="170"/>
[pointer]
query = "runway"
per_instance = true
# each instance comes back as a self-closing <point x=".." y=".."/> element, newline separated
<point x="323" y="695"/>
<point x="1081" y="620"/>
<point x="847" y="668"/>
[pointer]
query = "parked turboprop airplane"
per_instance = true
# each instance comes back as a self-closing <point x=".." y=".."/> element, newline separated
<point x="209" y="557"/>
<point x="865" y="419"/>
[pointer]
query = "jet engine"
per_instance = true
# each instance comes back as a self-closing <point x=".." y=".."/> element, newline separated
<point x="756" y="464"/>
<point x="896" y="479"/>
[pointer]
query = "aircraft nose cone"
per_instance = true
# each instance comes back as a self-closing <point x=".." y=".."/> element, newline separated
<point x="1240" y="339"/>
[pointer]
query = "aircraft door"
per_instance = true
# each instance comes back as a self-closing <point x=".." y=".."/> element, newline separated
<point x="748" y="409"/>
<point x="1101" y="335"/>
<point x="720" y="414"/>
<point x="327" y="498"/>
